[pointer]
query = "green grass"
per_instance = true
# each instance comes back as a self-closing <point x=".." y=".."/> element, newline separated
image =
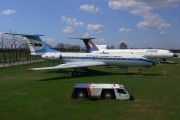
<point x="46" y="94"/>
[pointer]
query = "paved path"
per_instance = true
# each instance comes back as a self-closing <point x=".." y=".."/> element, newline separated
<point x="18" y="63"/>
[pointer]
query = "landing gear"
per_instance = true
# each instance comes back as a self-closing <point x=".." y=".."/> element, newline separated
<point x="84" y="69"/>
<point x="139" y="70"/>
<point x="125" y="70"/>
<point x="75" y="72"/>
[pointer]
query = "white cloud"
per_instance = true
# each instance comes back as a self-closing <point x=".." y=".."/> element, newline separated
<point x="90" y="8"/>
<point x="8" y="12"/>
<point x="71" y="21"/>
<point x="95" y="28"/>
<point x="68" y="29"/>
<point x="124" y="30"/>
<point x="48" y="40"/>
<point x="86" y="35"/>
<point x="176" y="20"/>
<point x="8" y="20"/>
<point x="143" y="8"/>
<point x="163" y="33"/>
<point x="152" y="21"/>
<point x="102" y="40"/>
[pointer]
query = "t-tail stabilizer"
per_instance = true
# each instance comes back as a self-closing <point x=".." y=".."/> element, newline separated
<point x="90" y="46"/>
<point x="36" y="45"/>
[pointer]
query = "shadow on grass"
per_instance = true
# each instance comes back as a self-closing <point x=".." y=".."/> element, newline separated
<point x="146" y="74"/>
<point x="132" y="98"/>
<point x="170" y="63"/>
<point x="89" y="73"/>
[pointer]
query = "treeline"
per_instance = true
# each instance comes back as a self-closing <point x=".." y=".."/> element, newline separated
<point x="15" y="48"/>
<point x="175" y="50"/>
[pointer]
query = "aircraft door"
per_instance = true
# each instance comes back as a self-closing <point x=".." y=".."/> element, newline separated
<point x="60" y="58"/>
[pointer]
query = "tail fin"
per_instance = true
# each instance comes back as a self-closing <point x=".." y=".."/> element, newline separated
<point x="36" y="45"/>
<point x="90" y="46"/>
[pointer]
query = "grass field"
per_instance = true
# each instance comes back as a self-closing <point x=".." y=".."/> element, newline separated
<point x="46" y="94"/>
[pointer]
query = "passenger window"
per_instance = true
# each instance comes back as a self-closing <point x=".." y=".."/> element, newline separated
<point x="121" y="91"/>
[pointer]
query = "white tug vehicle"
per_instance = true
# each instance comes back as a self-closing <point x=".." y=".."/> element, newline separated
<point x="98" y="90"/>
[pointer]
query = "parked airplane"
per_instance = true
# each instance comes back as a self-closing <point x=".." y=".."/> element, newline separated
<point x="80" y="60"/>
<point x="149" y="53"/>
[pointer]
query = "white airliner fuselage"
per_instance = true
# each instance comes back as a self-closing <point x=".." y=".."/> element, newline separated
<point x="149" y="53"/>
<point x="74" y="60"/>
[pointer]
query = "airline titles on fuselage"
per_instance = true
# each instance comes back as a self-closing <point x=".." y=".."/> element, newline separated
<point x="152" y="51"/>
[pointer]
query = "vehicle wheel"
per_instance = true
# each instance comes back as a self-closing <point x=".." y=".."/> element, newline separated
<point x="81" y="94"/>
<point x="107" y="94"/>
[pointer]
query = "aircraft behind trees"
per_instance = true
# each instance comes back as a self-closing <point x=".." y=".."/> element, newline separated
<point x="81" y="60"/>
<point x="149" y="53"/>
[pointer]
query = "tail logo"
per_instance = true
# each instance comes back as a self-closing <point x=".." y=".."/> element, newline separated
<point x="35" y="45"/>
<point x="91" y="44"/>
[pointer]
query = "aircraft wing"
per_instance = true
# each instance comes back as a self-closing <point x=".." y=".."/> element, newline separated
<point x="70" y="65"/>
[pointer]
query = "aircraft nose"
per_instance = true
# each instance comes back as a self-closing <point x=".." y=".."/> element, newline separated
<point x="174" y="55"/>
<point x="154" y="62"/>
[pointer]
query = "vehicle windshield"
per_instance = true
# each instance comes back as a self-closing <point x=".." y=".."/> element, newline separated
<point x="122" y="91"/>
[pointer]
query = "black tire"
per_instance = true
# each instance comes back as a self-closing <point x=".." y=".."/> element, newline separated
<point x="107" y="94"/>
<point x="81" y="94"/>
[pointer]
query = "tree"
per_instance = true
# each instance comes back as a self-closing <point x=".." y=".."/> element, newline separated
<point x="60" y="46"/>
<point x="112" y="47"/>
<point x="123" y="46"/>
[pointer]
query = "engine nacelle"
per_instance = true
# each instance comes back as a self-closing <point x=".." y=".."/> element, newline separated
<point x="52" y="56"/>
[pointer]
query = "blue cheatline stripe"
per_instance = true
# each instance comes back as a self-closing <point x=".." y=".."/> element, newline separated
<point x="82" y="85"/>
<point x="93" y="58"/>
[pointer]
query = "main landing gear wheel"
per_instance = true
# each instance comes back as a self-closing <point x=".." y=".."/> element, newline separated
<point x="139" y="70"/>
<point x="73" y="73"/>
<point x="84" y="69"/>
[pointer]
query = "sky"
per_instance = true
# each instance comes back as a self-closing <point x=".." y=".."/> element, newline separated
<point x="138" y="23"/>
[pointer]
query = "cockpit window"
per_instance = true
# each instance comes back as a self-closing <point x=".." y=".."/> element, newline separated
<point x="144" y="57"/>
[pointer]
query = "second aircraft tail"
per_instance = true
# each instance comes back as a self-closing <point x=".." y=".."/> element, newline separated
<point x="90" y="46"/>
